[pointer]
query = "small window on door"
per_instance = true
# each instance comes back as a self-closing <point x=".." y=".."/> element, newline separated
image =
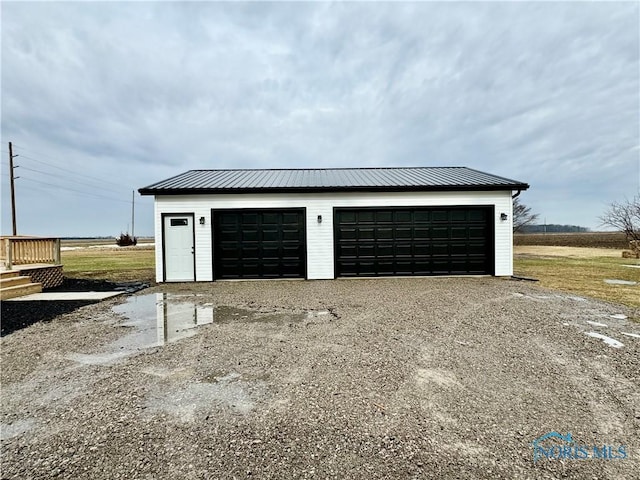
<point x="179" y="222"/>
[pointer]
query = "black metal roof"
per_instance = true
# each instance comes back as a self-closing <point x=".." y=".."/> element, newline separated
<point x="330" y="180"/>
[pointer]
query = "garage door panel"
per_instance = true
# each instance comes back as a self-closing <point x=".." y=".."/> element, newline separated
<point x="421" y="233"/>
<point x="385" y="250"/>
<point x="458" y="249"/>
<point x="259" y="243"/>
<point x="440" y="249"/>
<point x="458" y="216"/>
<point x="476" y="232"/>
<point x="422" y="216"/>
<point x="422" y="249"/>
<point x="247" y="252"/>
<point x="365" y="217"/>
<point x="290" y="235"/>
<point x="366" y="251"/>
<point x="402" y="216"/>
<point x="439" y="232"/>
<point x="229" y="235"/>
<point x="347" y="251"/>
<point x="269" y="253"/>
<point x="385" y="267"/>
<point x="384" y="233"/>
<point x="348" y="233"/>
<point x="440" y="216"/>
<point x="248" y="219"/>
<point x="247" y="236"/>
<point x="423" y="241"/>
<point x="366" y="234"/>
<point x="403" y="233"/>
<point x="478" y="215"/>
<point x="458" y="233"/>
<point x="349" y="218"/>
<point x="477" y="249"/>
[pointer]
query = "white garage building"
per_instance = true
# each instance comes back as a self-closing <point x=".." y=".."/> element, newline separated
<point x="330" y="223"/>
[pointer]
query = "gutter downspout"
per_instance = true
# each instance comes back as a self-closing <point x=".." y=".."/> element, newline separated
<point x="516" y="194"/>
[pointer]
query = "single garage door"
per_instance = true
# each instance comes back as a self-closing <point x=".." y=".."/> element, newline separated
<point x="415" y="241"/>
<point x="259" y="243"/>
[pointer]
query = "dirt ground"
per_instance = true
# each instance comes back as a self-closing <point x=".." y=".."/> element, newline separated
<point x="359" y="379"/>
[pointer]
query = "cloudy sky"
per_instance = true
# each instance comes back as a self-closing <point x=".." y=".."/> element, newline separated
<point x="100" y="99"/>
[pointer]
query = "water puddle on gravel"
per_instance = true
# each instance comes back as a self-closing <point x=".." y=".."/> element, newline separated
<point x="154" y="320"/>
<point x="612" y="342"/>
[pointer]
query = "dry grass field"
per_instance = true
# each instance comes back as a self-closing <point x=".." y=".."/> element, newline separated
<point x="581" y="271"/>
<point x="589" y="239"/>
<point x="119" y="264"/>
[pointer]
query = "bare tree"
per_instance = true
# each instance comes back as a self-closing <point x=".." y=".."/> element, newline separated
<point x="625" y="217"/>
<point x="522" y="215"/>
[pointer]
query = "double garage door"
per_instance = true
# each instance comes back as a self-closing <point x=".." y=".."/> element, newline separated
<point x="413" y="241"/>
<point x="271" y="243"/>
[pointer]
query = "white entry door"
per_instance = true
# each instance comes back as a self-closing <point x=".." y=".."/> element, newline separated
<point x="179" y="251"/>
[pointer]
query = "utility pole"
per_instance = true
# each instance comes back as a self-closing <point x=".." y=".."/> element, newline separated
<point x="13" y="190"/>
<point x="133" y="213"/>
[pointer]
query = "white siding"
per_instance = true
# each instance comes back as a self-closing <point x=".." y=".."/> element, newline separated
<point x="320" y="251"/>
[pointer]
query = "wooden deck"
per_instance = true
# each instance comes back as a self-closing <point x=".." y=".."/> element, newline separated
<point x="36" y="258"/>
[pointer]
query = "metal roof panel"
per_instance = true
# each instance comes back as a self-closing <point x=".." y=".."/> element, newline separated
<point x="331" y="179"/>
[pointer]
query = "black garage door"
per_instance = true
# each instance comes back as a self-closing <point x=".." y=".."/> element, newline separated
<point x="259" y="243"/>
<point x="416" y="241"/>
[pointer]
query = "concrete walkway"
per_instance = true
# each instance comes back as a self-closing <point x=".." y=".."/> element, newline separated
<point x="65" y="296"/>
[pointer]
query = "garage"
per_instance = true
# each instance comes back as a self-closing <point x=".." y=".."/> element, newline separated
<point x="328" y="223"/>
<point x="420" y="241"/>
<point x="259" y="243"/>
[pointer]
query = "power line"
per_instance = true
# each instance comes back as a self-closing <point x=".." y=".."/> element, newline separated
<point x="72" y="172"/>
<point x="74" y="190"/>
<point x="22" y="167"/>
<point x="62" y="168"/>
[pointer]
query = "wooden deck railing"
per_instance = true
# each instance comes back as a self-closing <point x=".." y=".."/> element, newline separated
<point x="29" y="250"/>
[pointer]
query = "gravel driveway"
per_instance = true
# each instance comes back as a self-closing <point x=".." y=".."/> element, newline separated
<point x="384" y="378"/>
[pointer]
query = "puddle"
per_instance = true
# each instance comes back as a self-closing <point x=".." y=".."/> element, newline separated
<point x="612" y="342"/>
<point x="634" y="335"/>
<point x="614" y="281"/>
<point x="154" y="320"/>
<point x="596" y="324"/>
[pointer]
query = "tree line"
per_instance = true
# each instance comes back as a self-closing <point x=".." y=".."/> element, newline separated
<point x="623" y="216"/>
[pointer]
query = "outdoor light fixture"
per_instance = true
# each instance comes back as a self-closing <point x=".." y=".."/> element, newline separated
<point x="319" y="218"/>
<point x="503" y="216"/>
<point x="201" y="220"/>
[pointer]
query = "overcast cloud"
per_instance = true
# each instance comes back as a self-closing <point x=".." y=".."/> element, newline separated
<point x="126" y="94"/>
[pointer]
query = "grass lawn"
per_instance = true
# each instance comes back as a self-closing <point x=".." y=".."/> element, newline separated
<point x="580" y="271"/>
<point x="126" y="264"/>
